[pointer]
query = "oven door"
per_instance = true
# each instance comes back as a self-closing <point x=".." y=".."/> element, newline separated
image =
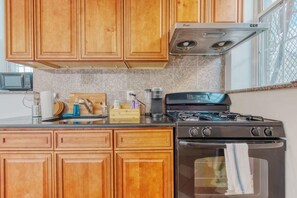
<point x="201" y="173"/>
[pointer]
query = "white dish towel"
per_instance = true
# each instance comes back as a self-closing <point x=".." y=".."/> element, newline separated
<point x="239" y="177"/>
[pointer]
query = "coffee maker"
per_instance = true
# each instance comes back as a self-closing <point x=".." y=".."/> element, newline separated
<point x="156" y="104"/>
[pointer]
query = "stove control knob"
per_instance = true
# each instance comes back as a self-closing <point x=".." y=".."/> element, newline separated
<point x="255" y="131"/>
<point x="206" y="131"/>
<point x="268" y="131"/>
<point x="194" y="131"/>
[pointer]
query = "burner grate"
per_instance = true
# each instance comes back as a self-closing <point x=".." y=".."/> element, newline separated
<point x="187" y="116"/>
<point x="215" y="116"/>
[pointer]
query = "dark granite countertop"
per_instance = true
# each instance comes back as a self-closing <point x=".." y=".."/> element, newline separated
<point x="30" y="122"/>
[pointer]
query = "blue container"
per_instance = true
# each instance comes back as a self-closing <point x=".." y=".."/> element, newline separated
<point x="76" y="109"/>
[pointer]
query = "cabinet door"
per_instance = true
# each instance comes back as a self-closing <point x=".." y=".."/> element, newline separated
<point x="56" y="30"/>
<point x="19" y="30"/>
<point x="102" y="29"/>
<point x="26" y="175"/>
<point x="144" y="174"/>
<point x="82" y="175"/>
<point x="146" y="29"/>
<point x="186" y="11"/>
<point x="226" y="11"/>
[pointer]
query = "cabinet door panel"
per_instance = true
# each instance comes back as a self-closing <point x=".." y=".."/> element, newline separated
<point x="144" y="174"/>
<point x="84" y="175"/>
<point x="102" y="29"/>
<point x="186" y="11"/>
<point x="56" y="29"/>
<point x="19" y="30"/>
<point x="146" y="29"/>
<point x="83" y="140"/>
<point x="143" y="139"/>
<point x="26" y="140"/>
<point x="226" y="11"/>
<point x="26" y="175"/>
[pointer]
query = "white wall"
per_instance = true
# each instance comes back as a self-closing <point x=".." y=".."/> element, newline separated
<point x="11" y="105"/>
<point x="2" y="52"/>
<point x="280" y="105"/>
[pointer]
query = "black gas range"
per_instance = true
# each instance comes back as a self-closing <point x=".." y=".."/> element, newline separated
<point x="207" y="115"/>
<point x="204" y="127"/>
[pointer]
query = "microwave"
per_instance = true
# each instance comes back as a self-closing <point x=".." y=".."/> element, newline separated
<point x="16" y="81"/>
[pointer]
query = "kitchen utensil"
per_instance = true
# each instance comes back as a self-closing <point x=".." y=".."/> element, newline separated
<point x="59" y="107"/>
<point x="97" y="99"/>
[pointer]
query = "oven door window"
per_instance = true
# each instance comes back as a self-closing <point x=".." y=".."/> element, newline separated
<point x="210" y="178"/>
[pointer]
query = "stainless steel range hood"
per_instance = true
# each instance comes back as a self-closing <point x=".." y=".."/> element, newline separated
<point x="210" y="38"/>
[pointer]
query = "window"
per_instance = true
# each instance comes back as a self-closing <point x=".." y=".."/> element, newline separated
<point x="14" y="67"/>
<point x="278" y="45"/>
<point x="267" y="3"/>
<point x="4" y="65"/>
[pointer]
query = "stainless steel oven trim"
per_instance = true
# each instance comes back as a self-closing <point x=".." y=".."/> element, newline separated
<point x="260" y="145"/>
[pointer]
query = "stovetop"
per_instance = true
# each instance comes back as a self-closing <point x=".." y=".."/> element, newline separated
<point x="225" y="116"/>
<point x="207" y="115"/>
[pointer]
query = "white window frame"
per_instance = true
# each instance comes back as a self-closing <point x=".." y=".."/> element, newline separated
<point x="267" y="10"/>
<point x="256" y="67"/>
<point x="260" y="15"/>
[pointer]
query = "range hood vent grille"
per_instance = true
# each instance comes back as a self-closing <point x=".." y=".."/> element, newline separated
<point x="210" y="38"/>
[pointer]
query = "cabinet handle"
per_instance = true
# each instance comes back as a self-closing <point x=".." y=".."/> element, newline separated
<point x="3" y="140"/>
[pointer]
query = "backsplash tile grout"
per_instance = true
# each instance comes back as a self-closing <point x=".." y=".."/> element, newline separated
<point x="182" y="73"/>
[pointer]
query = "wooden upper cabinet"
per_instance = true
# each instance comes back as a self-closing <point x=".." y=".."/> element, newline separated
<point x="56" y="30"/>
<point x="19" y="30"/>
<point x="206" y="11"/>
<point x="186" y="11"/>
<point x="26" y="175"/>
<point x="146" y="29"/>
<point x="101" y="29"/>
<point x="226" y="11"/>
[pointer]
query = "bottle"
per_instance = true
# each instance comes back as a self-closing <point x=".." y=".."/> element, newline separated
<point x="134" y="103"/>
<point x="104" y="109"/>
<point x="148" y="100"/>
<point x="36" y="108"/>
<point x="76" y="108"/>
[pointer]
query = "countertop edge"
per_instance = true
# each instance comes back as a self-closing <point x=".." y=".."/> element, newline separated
<point x="265" y="88"/>
<point x="84" y="126"/>
<point x="29" y="122"/>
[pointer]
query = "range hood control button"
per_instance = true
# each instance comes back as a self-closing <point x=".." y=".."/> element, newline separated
<point x="206" y="131"/>
<point x="194" y="131"/>
<point x="268" y="131"/>
<point x="255" y="131"/>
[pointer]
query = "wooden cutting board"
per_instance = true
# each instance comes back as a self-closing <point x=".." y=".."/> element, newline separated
<point x="96" y="98"/>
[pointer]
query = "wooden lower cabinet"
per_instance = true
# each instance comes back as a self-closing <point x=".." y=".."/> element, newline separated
<point x="87" y="163"/>
<point x="144" y="174"/>
<point x="84" y="175"/>
<point x="26" y="175"/>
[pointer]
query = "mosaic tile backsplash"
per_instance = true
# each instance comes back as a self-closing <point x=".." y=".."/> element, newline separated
<point x="182" y="73"/>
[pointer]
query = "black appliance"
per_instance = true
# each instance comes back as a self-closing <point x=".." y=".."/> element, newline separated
<point x="156" y="103"/>
<point x="204" y="125"/>
<point x="15" y="81"/>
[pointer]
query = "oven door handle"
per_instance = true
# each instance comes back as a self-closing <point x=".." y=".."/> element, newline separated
<point x="263" y="145"/>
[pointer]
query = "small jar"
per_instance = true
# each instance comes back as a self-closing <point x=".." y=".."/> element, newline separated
<point x="116" y="104"/>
